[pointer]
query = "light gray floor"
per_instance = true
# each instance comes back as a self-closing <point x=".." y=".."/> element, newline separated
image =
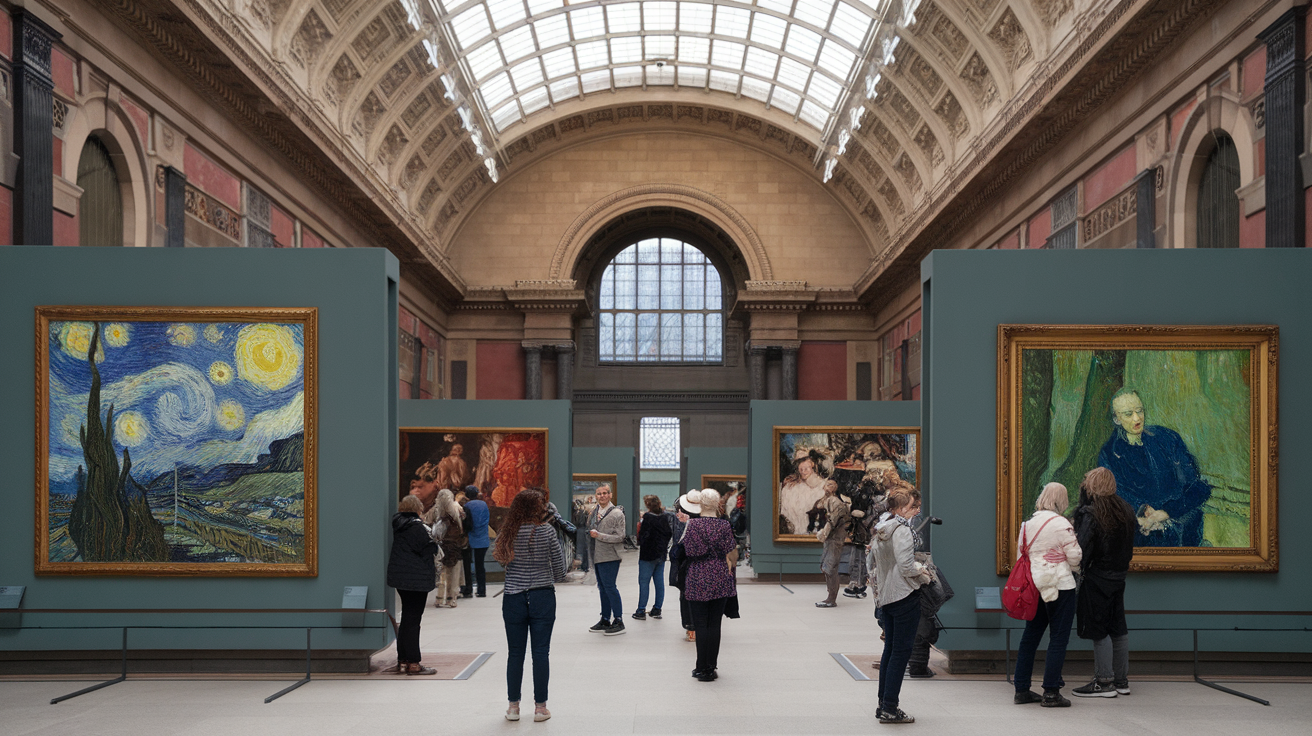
<point x="776" y="677"/>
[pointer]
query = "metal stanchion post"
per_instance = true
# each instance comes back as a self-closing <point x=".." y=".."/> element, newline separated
<point x="1215" y="686"/>
<point x="123" y="676"/>
<point x="303" y="680"/>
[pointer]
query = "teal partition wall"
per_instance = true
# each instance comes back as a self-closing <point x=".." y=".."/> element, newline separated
<point x="699" y="461"/>
<point x="619" y="461"/>
<point x="969" y="293"/>
<point x="354" y="291"/>
<point x="769" y="557"/>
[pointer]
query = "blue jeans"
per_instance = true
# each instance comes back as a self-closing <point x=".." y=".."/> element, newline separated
<point x="899" y="621"/>
<point x="532" y="612"/>
<point x="611" y="607"/>
<point x="1056" y="617"/>
<point x="648" y="571"/>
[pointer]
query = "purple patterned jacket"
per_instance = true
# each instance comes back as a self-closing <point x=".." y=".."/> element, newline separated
<point x="709" y="578"/>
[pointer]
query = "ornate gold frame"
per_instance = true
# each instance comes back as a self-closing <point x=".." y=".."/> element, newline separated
<point x="775" y="481"/>
<point x="1263" y="343"/>
<point x="546" y="442"/>
<point x="708" y="479"/>
<point x="306" y="316"/>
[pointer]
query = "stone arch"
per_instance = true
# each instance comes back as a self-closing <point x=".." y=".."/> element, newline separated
<point x="1219" y="112"/>
<point x="107" y="121"/>
<point x="573" y="245"/>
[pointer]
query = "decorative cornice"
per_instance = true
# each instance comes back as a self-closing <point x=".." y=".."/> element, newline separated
<point x="755" y="286"/>
<point x="597" y="397"/>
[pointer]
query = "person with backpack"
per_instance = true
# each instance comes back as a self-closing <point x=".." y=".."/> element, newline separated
<point x="897" y="599"/>
<point x="1048" y="540"/>
<point x="653" y="543"/>
<point x="1105" y="527"/>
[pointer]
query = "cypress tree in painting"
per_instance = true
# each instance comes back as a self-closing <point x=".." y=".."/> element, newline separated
<point x="106" y="524"/>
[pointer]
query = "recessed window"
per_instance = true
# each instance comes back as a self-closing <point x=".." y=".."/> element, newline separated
<point x="100" y="209"/>
<point x="659" y="438"/>
<point x="1218" y="205"/>
<point x="660" y="301"/>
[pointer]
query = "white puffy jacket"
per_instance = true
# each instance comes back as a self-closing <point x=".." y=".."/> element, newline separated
<point x="1051" y="577"/>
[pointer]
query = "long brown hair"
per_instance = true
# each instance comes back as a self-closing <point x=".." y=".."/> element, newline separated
<point x="527" y="507"/>
<point x="1099" y="490"/>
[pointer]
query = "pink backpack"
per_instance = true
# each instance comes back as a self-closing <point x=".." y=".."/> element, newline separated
<point x="1020" y="596"/>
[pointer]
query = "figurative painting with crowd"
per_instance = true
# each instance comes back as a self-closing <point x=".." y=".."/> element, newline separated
<point x="499" y="462"/>
<point x="1181" y="420"/>
<point x="858" y="463"/>
<point x="176" y="441"/>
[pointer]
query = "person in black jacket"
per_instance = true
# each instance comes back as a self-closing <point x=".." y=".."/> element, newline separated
<point x="412" y="570"/>
<point x="653" y="540"/>
<point x="1104" y="527"/>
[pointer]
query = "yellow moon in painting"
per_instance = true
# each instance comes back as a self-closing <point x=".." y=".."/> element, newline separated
<point x="130" y="429"/>
<point x="75" y="337"/>
<point x="182" y="335"/>
<point x="267" y="356"/>
<point x="230" y="415"/>
<point x="116" y="334"/>
<point x="220" y="373"/>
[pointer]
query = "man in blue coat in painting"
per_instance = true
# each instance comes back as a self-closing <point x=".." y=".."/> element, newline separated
<point x="1157" y="475"/>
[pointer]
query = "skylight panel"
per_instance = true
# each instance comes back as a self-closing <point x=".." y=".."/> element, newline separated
<point x="785" y="100"/>
<point x="628" y="76"/>
<point x="484" y="60"/>
<point x="836" y="60"/>
<point x="802" y="43"/>
<point x="593" y="54"/>
<point x="724" y="81"/>
<point x="694" y="50"/>
<point x="871" y="6"/>
<point x="793" y="74"/>
<point x="537" y="7"/>
<point x="695" y="17"/>
<point x="517" y="44"/>
<point x="732" y="21"/>
<point x="815" y="12"/>
<point x="663" y="75"/>
<point x="596" y="81"/>
<point x="534" y="100"/>
<point x="527" y="74"/>
<point x="559" y="63"/>
<point x="768" y="30"/>
<point x="850" y="24"/>
<point x="691" y="76"/>
<point x="823" y="90"/>
<point x="761" y="63"/>
<point x="780" y="6"/>
<point x="471" y="26"/>
<point x="756" y="89"/>
<point x="624" y="18"/>
<point x="626" y="50"/>
<point x="659" y="16"/>
<point x="506" y="116"/>
<point x="660" y="47"/>
<point x="505" y="12"/>
<point x="552" y="31"/>
<point x="565" y="89"/>
<point x="587" y="22"/>
<point x="495" y="90"/>
<point x="814" y="116"/>
<point x="727" y="54"/>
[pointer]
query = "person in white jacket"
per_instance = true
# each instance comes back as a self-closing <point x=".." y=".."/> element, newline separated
<point x="1054" y="559"/>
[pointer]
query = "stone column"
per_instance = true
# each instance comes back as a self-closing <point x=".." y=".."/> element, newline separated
<point x="1284" y="130"/>
<point x="756" y="368"/>
<point x="532" y="371"/>
<point x="565" y="371"/>
<point x="175" y="214"/>
<point x="33" y="132"/>
<point x="1145" y="218"/>
<point x="790" y="373"/>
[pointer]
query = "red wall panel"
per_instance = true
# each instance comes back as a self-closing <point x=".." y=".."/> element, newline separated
<point x="140" y="119"/>
<point x="281" y="224"/>
<point x="1040" y="228"/>
<point x="6" y="205"/>
<point x="61" y="68"/>
<point x="500" y="370"/>
<point x="203" y="173"/>
<point x="6" y="36"/>
<point x="309" y="239"/>
<point x="821" y="371"/>
<point x="1109" y="179"/>
<point x="66" y="230"/>
<point x="1252" y="231"/>
<point x="1254" y="72"/>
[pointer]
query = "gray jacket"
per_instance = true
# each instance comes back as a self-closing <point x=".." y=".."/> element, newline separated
<point x="897" y="572"/>
<point x="610" y="534"/>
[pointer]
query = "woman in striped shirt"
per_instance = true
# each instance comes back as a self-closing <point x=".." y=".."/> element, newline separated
<point x="526" y="546"/>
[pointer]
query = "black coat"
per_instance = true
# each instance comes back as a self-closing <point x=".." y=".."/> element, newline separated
<point x="1100" y="607"/>
<point x="653" y="537"/>
<point x="411" y="565"/>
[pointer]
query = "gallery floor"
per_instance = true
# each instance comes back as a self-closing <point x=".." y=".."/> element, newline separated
<point x="776" y="677"/>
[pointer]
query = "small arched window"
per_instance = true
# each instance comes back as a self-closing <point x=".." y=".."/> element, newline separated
<point x="661" y="300"/>
<point x="100" y="211"/>
<point x="1218" y="205"/>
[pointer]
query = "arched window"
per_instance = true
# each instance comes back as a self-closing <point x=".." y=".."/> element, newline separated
<point x="100" y="211"/>
<point x="661" y="300"/>
<point x="1218" y="205"/>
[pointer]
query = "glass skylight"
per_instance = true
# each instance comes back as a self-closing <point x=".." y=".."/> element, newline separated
<point x="797" y="56"/>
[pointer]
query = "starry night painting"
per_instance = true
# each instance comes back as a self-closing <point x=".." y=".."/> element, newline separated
<point x="176" y="441"/>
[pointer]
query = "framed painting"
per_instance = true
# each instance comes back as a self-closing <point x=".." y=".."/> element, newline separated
<point x="1184" y="417"/>
<point x="176" y="441"/>
<point x="583" y="496"/>
<point x="732" y="488"/>
<point x="858" y="462"/>
<point x="499" y="461"/>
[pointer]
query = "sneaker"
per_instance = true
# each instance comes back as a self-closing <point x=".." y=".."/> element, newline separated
<point x="655" y="613"/>
<point x="920" y="673"/>
<point x="897" y="715"/>
<point x="851" y="592"/>
<point x="415" y="668"/>
<point x="481" y="594"/>
<point x="1122" y="687"/>
<point x="615" y="629"/>
<point x="1096" y="689"/>
<point x="1025" y="697"/>
<point x="640" y="615"/>
<point x="1055" y="700"/>
<point x="860" y="592"/>
<point x="710" y="676"/>
<point x="512" y="712"/>
<point x="600" y="627"/>
<point x="540" y="713"/>
<point x="826" y="604"/>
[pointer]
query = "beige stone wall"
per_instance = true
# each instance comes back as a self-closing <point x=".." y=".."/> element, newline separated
<point x="514" y="233"/>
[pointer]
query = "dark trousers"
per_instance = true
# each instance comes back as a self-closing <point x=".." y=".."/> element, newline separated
<point x="611" y="606"/>
<point x="581" y="540"/>
<point x="707" y="616"/>
<point x="477" y="556"/>
<point x="685" y="615"/>
<point x="899" y="621"/>
<point x="407" y="632"/>
<point x="1056" y="617"/>
<point x="531" y="614"/>
<point x="466" y="560"/>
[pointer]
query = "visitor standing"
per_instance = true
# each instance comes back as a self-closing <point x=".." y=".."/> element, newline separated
<point x="653" y="542"/>
<point x="832" y="535"/>
<point x="897" y="601"/>
<point x="477" y="512"/>
<point x="606" y="537"/>
<point x="447" y="519"/>
<point x="688" y="508"/>
<point x="709" y="582"/>
<point x="411" y="570"/>
<point x="1105" y="527"/>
